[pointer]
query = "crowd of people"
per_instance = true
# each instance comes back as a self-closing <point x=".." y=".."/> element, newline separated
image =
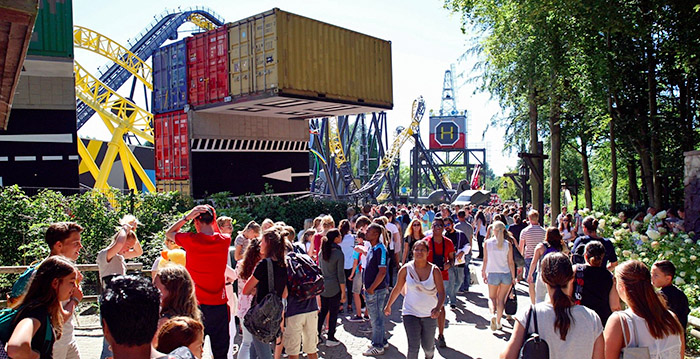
<point x="283" y="290"/>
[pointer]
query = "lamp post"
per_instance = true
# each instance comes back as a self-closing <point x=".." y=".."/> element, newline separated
<point x="524" y="174"/>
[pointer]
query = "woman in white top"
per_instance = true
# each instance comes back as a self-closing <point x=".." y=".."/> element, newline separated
<point x="571" y="331"/>
<point x="567" y="233"/>
<point x="647" y="322"/>
<point x="244" y="271"/>
<point x="424" y="297"/>
<point x="498" y="271"/>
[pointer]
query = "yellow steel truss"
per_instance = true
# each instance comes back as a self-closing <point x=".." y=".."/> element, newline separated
<point x="201" y="22"/>
<point x="334" y="143"/>
<point x="84" y="38"/>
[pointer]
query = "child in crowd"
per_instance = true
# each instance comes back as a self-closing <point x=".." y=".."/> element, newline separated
<point x="181" y="331"/>
<point x="662" y="274"/>
<point x="40" y="317"/>
<point x="111" y="261"/>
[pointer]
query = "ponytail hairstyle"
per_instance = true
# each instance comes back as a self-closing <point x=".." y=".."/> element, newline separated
<point x="275" y="246"/>
<point x="251" y="257"/>
<point x="344" y="227"/>
<point x="499" y="229"/>
<point x="644" y="301"/>
<point x="41" y="292"/>
<point x="594" y="253"/>
<point x="557" y="273"/>
<point x="553" y="238"/>
<point x="590" y="224"/>
<point x="327" y="245"/>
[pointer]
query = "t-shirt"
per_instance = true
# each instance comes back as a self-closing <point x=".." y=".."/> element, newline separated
<point x="610" y="255"/>
<point x="677" y="302"/>
<point x="67" y="335"/>
<point x="437" y="251"/>
<point x="116" y="266"/>
<point x="392" y="230"/>
<point x="466" y="228"/>
<point x="179" y="353"/>
<point x="242" y="241"/>
<point x="260" y="273"/>
<point x="532" y="235"/>
<point x="376" y="258"/>
<point x="296" y="306"/>
<point x="348" y="247"/>
<point x="206" y="262"/>
<point x="597" y="283"/>
<point x="39" y="342"/>
<point x="585" y="328"/>
<point x="516" y="230"/>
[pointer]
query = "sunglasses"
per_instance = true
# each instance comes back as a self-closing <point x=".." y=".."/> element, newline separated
<point x="438" y="226"/>
<point x="415" y="225"/>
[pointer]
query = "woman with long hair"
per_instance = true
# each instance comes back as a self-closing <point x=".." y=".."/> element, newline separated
<point x="571" y="331"/>
<point x="244" y="271"/>
<point x="272" y="248"/>
<point x="647" y="322"/>
<point x="347" y="244"/>
<point x="40" y="317"/>
<point x="423" y="300"/>
<point x="331" y="263"/>
<point x="414" y="233"/>
<point x="177" y="296"/>
<point x="480" y="230"/>
<point x="552" y="243"/>
<point x="250" y="232"/>
<point x="498" y="271"/>
<point x="594" y="287"/>
<point x="326" y="224"/>
<point x="567" y="233"/>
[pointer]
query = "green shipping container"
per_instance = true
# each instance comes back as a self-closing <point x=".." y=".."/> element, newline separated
<point x="53" y="30"/>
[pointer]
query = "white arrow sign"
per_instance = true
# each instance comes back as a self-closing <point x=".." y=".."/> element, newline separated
<point x="285" y="175"/>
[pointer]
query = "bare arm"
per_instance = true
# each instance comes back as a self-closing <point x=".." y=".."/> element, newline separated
<point x="172" y="231"/>
<point x="400" y="282"/>
<point x="538" y="252"/>
<point x="483" y="265"/>
<point x="511" y="266"/>
<point x="136" y="252"/>
<point x="599" y="348"/>
<point x="613" y="337"/>
<point x="405" y="252"/>
<point x="440" y="285"/>
<point x="238" y="252"/>
<point x="250" y="285"/>
<point x="20" y="344"/>
<point x="516" y="340"/>
<point x="614" y="298"/>
<point x="116" y="245"/>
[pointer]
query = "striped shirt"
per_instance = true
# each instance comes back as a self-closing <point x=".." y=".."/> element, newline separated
<point x="532" y="235"/>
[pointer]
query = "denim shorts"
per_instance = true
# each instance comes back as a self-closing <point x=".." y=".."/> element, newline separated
<point x="499" y="278"/>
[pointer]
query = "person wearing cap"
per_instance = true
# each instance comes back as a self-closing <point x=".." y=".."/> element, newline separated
<point x="207" y="252"/>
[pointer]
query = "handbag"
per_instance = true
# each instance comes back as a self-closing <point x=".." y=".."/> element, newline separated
<point x="263" y="320"/>
<point x="534" y="347"/>
<point x="511" y="302"/>
<point x="518" y="259"/>
<point x="631" y="352"/>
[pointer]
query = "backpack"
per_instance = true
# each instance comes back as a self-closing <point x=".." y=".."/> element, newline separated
<point x="8" y="317"/>
<point x="20" y="286"/>
<point x="304" y="277"/>
<point x="264" y="319"/>
<point x="534" y="347"/>
<point x="578" y="283"/>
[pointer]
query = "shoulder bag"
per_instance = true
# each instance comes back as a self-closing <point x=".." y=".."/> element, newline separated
<point x="511" y="306"/>
<point x="534" y="347"/>
<point x="631" y="352"/>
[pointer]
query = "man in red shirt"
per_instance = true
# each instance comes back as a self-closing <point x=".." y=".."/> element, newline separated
<point x="441" y="252"/>
<point x="207" y="252"/>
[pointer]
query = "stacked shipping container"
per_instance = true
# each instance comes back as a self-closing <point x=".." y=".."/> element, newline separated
<point x="172" y="146"/>
<point x="207" y="67"/>
<point x="170" y="78"/>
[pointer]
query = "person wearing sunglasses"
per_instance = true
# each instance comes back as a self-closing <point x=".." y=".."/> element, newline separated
<point x="414" y="233"/>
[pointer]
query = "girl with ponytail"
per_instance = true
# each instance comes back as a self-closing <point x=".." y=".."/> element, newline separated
<point x="571" y="331"/>
<point x="552" y="244"/>
<point x="647" y="322"/>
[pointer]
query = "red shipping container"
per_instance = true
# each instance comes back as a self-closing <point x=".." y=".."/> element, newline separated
<point x="172" y="146"/>
<point x="207" y="67"/>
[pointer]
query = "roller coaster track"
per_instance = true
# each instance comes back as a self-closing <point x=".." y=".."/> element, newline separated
<point x="163" y="28"/>
<point x="336" y="148"/>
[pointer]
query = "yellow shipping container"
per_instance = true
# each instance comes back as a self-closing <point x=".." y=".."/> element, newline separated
<point x="182" y="186"/>
<point x="286" y="65"/>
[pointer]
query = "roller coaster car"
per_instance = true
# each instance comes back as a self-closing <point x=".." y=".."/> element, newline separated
<point x="475" y="197"/>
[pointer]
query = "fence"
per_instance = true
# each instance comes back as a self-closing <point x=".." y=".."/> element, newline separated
<point x="694" y="324"/>
<point x="81" y="267"/>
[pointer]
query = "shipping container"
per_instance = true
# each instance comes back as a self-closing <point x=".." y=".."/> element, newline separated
<point x="182" y="186"/>
<point x="53" y="30"/>
<point x="223" y="126"/>
<point x="170" y="78"/>
<point x="172" y="146"/>
<point x="304" y="64"/>
<point x="207" y="67"/>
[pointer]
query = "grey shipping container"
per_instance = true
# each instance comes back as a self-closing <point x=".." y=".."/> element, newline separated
<point x="53" y="30"/>
<point x="170" y="78"/>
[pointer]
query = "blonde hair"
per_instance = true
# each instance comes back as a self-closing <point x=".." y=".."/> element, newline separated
<point x="498" y="228"/>
<point x="129" y="219"/>
<point x="220" y="221"/>
<point x="327" y="222"/>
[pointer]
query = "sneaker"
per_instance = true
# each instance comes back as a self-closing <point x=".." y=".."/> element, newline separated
<point x="441" y="341"/>
<point x="332" y="343"/>
<point x="453" y="306"/>
<point x="386" y="345"/>
<point x="366" y="316"/>
<point x="366" y="330"/>
<point x="499" y="325"/>
<point x="356" y="319"/>
<point x="493" y="323"/>
<point x="373" y="352"/>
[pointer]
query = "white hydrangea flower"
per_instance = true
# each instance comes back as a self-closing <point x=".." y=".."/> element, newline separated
<point x="661" y="215"/>
<point x="689" y="241"/>
<point x="682" y="274"/>
<point x="679" y="281"/>
<point x="644" y="238"/>
<point x="693" y="257"/>
<point x="647" y="217"/>
<point x="698" y="270"/>
<point x="663" y="230"/>
<point x="627" y="253"/>
<point x="653" y="234"/>
<point x="683" y="260"/>
<point x="655" y="244"/>
<point x="643" y="254"/>
<point x="625" y="225"/>
<point x="668" y="253"/>
<point x="598" y="214"/>
<point x="601" y="224"/>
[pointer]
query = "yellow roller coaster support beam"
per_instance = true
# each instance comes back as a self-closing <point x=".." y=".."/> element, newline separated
<point x="101" y="98"/>
<point x="87" y="159"/>
<point x="334" y="143"/>
<point x="201" y="22"/>
<point x="84" y="38"/>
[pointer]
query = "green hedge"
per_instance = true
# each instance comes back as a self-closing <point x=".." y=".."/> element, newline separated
<point x="24" y="219"/>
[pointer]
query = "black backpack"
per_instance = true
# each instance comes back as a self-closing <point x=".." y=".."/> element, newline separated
<point x="263" y="320"/>
<point x="304" y="277"/>
<point x="534" y="347"/>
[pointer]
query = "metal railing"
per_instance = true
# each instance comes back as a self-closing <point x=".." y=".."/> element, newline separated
<point x="694" y="326"/>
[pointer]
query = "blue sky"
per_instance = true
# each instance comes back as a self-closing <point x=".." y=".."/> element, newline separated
<point x="425" y="38"/>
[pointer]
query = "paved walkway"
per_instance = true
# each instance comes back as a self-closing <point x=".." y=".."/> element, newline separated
<point x="467" y="334"/>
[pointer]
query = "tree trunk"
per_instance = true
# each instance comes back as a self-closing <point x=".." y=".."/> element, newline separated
<point x="647" y="175"/>
<point x="532" y="101"/>
<point x="586" y="174"/>
<point x="555" y="163"/>
<point x="613" y="159"/>
<point x="633" y="189"/>
<point x="655" y="147"/>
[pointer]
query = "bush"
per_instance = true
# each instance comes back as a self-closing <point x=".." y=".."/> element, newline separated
<point x="24" y="219"/>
